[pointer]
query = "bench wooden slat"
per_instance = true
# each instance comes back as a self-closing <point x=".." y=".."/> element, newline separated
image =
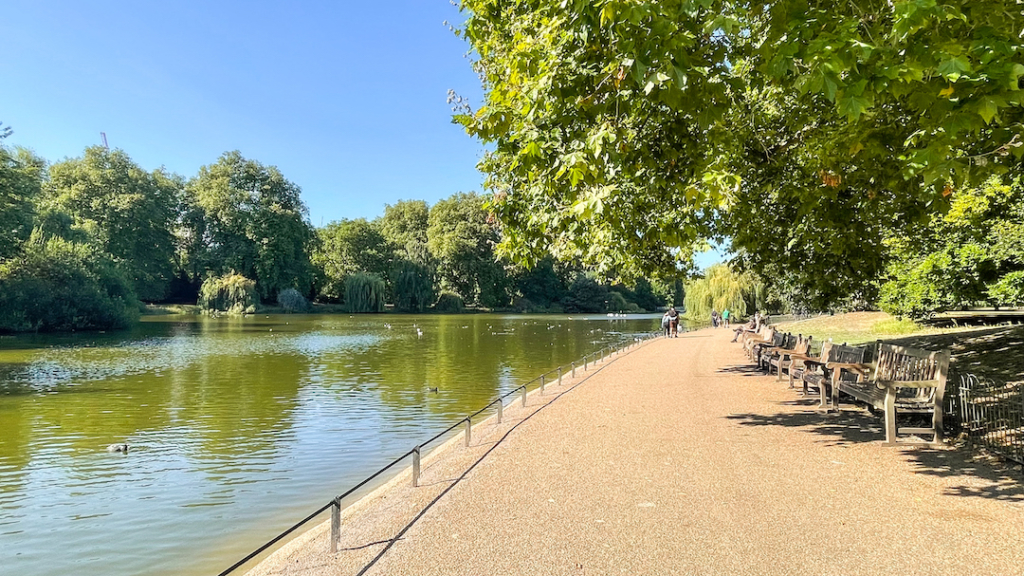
<point x="904" y="380"/>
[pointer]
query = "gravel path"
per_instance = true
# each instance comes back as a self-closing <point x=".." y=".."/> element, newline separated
<point x="676" y="458"/>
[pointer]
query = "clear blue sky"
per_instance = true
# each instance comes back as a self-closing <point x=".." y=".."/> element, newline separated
<point x="347" y="98"/>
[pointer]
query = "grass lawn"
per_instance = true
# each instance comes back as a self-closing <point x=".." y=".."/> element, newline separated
<point x="992" y="352"/>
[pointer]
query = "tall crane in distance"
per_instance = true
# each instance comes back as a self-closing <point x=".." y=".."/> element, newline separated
<point x="103" y="135"/>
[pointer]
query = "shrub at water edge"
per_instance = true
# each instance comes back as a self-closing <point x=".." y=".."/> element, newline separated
<point x="60" y="285"/>
<point x="449" y="302"/>
<point x="232" y="293"/>
<point x="290" y="300"/>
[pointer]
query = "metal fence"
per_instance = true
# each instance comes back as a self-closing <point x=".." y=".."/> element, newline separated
<point x="335" y="505"/>
<point x="991" y="415"/>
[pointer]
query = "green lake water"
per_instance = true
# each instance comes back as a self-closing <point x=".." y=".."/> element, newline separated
<point x="238" y="427"/>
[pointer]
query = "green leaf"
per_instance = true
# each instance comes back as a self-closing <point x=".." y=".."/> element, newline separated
<point x="988" y="107"/>
<point x="954" y="67"/>
<point x="853" y="106"/>
<point x="607" y="14"/>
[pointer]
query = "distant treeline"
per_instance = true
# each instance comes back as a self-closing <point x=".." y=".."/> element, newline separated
<point x="83" y="241"/>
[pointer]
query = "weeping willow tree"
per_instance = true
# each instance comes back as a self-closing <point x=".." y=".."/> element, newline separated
<point x="721" y="289"/>
<point x="365" y="293"/>
<point x="413" y="287"/>
<point x="231" y="293"/>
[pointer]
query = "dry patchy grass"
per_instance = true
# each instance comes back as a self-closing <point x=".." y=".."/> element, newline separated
<point x="992" y="352"/>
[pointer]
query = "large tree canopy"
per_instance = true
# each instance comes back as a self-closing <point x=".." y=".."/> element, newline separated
<point x="251" y="221"/>
<point x="125" y="209"/>
<point x="21" y="177"/>
<point x="626" y="133"/>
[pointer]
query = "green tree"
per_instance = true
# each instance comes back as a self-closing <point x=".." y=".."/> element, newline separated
<point x="347" y="247"/>
<point x="21" y="178"/>
<point x="586" y="295"/>
<point x="242" y="216"/>
<point x="127" y="211"/>
<point x="412" y="286"/>
<point x="231" y="293"/>
<point x="644" y="296"/>
<point x="973" y="254"/>
<point x="720" y="288"/>
<point x="404" y="226"/>
<point x="541" y="285"/>
<point x="59" y="285"/>
<point x="461" y="240"/>
<point x="621" y="130"/>
<point x="365" y="293"/>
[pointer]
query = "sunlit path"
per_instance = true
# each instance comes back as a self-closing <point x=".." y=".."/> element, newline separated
<point x="677" y="459"/>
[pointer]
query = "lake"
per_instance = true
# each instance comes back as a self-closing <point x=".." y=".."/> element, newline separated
<point x="238" y="427"/>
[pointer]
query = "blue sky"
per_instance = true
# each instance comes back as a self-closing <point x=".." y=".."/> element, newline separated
<point x="347" y="98"/>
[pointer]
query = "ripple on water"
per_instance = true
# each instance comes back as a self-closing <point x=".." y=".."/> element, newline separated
<point x="235" y="430"/>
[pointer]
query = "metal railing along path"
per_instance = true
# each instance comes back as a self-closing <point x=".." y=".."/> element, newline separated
<point x="992" y="415"/>
<point x="335" y="505"/>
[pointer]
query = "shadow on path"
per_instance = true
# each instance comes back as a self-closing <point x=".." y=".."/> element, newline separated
<point x="997" y="482"/>
<point x="742" y="369"/>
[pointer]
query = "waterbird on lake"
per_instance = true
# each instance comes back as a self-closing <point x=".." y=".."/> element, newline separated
<point x="434" y="389"/>
<point x="123" y="448"/>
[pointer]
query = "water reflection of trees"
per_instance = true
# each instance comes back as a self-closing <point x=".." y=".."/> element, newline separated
<point x="468" y="358"/>
<point x="240" y="395"/>
<point x="222" y="405"/>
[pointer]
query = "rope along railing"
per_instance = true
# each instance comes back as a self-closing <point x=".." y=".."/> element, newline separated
<point x="335" y="505"/>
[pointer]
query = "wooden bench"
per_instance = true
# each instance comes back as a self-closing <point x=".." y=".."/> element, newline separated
<point x="765" y="335"/>
<point x="902" y="380"/>
<point x="809" y="368"/>
<point x="781" y="358"/>
<point x="834" y="374"/>
<point x="779" y="340"/>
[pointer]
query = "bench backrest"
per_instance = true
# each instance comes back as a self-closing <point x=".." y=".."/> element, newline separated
<point x="803" y="345"/>
<point x="905" y="364"/>
<point x="848" y="354"/>
<point x="826" y="351"/>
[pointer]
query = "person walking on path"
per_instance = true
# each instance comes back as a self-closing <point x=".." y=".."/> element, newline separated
<point x="714" y="318"/>
<point x="725" y="317"/>
<point x="673" y="322"/>
<point x="666" y="324"/>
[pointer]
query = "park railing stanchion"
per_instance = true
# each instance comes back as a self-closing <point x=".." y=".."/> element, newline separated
<point x="416" y="465"/>
<point x="603" y="354"/>
<point x="335" y="525"/>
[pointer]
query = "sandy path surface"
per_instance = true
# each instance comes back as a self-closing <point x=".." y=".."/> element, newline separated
<point x="677" y="458"/>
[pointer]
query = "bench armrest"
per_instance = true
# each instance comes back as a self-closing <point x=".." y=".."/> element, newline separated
<point x="907" y="383"/>
<point x="861" y="369"/>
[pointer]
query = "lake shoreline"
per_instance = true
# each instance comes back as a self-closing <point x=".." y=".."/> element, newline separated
<point x="396" y="500"/>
